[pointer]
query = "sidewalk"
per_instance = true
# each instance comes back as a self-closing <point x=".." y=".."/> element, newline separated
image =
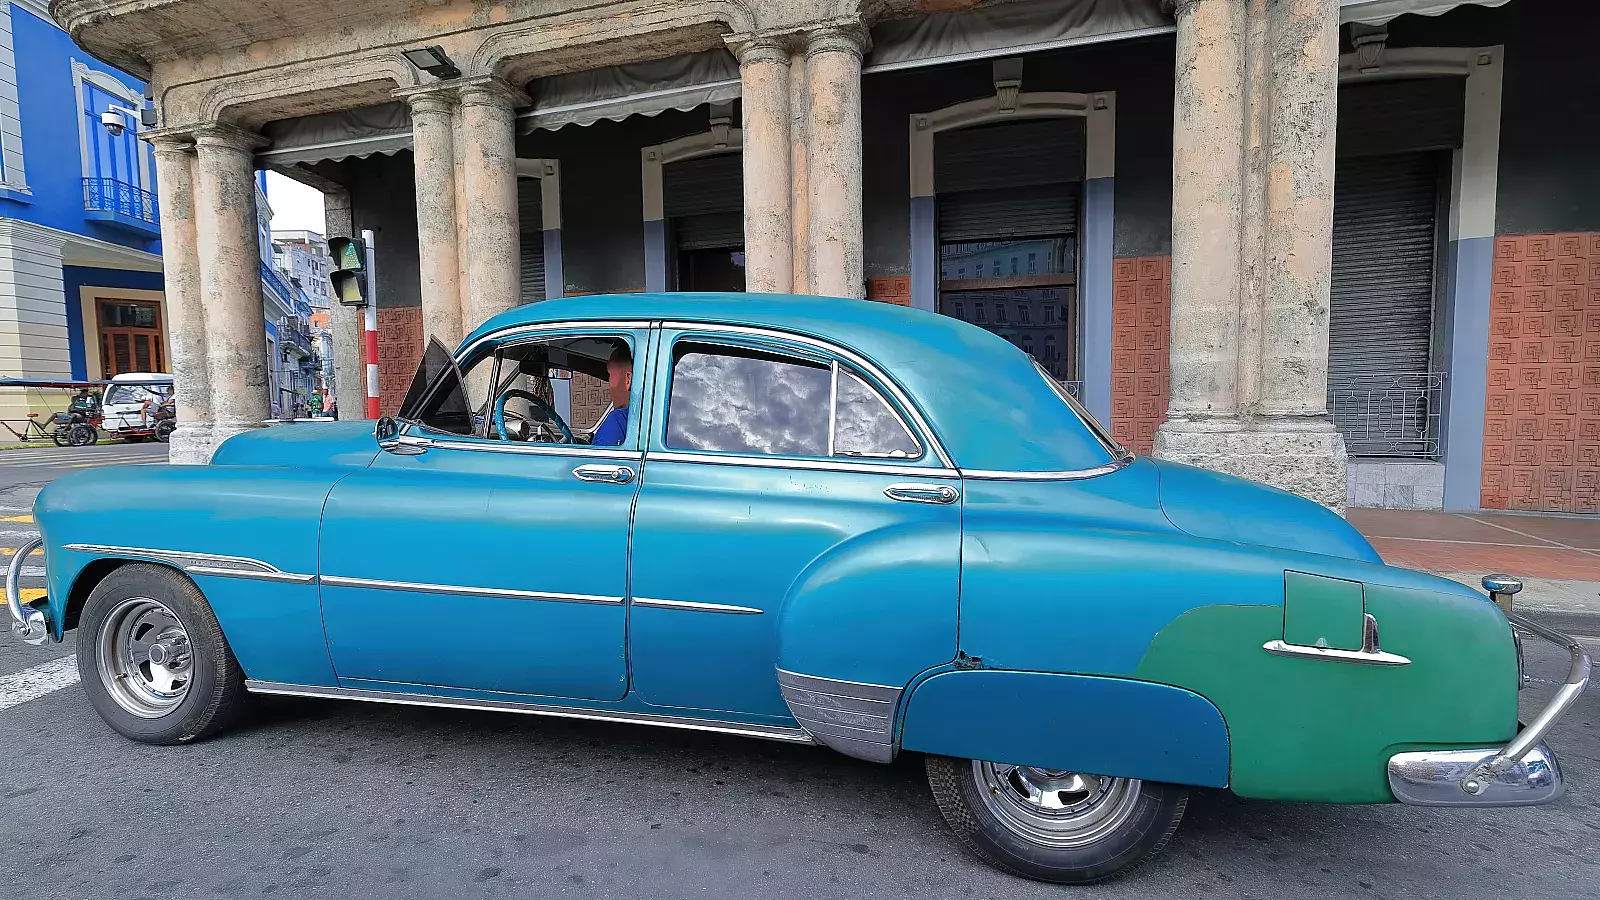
<point x="1557" y="557"/>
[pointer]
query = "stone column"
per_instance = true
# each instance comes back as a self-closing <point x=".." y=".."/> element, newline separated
<point x="185" y="313"/>
<point x="799" y="190"/>
<point x="833" y="160"/>
<point x="434" y="161"/>
<point x="1253" y="231"/>
<point x="230" y="278"/>
<point x="493" y="250"/>
<point x="768" y="241"/>
<point x="349" y="374"/>
<point x="1206" y="195"/>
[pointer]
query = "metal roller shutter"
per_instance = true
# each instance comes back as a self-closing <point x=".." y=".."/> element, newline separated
<point x="530" y="224"/>
<point x="1399" y="116"/>
<point x="709" y="231"/>
<point x="1032" y="151"/>
<point x="708" y="184"/>
<point x="1006" y="213"/>
<point x="1384" y="237"/>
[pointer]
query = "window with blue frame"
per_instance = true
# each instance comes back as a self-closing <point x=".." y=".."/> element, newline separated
<point x="113" y="164"/>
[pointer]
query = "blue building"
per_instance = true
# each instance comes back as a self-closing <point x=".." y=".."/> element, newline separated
<point x="81" y="293"/>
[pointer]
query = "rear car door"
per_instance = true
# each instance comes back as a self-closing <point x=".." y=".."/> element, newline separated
<point x="461" y="561"/>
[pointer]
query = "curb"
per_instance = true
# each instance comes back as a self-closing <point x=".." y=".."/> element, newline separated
<point x="1582" y="624"/>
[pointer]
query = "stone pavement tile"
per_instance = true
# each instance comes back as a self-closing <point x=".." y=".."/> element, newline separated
<point x="1569" y="530"/>
<point x="1523" y="562"/>
<point x="1411" y="523"/>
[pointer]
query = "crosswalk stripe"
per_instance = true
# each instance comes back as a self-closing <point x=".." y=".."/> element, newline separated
<point x="31" y="684"/>
<point x="12" y="551"/>
<point x="26" y="517"/>
<point x="6" y="533"/>
<point x="29" y="595"/>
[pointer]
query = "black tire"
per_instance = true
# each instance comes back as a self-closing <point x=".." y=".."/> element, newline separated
<point x="164" y="430"/>
<point x="213" y="692"/>
<point x="62" y="435"/>
<point x="81" y="435"/>
<point x="1148" y="823"/>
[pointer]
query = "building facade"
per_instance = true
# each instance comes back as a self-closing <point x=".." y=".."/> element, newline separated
<point x="81" y="293"/>
<point x="1349" y="248"/>
<point x="301" y="258"/>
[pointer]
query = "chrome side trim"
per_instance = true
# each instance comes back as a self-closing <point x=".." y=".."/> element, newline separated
<point x="1434" y="778"/>
<point x="768" y="732"/>
<point x="1368" y="655"/>
<point x="27" y="622"/>
<point x="466" y="590"/>
<point x="852" y="717"/>
<point x="832" y="349"/>
<point x="657" y="603"/>
<point x="202" y="563"/>
<point x="1115" y="465"/>
<point x="812" y="465"/>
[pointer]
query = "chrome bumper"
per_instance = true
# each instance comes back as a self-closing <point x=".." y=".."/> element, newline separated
<point x="27" y="622"/>
<point x="1522" y="773"/>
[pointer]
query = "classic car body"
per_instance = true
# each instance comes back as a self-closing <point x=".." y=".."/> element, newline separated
<point x="986" y="590"/>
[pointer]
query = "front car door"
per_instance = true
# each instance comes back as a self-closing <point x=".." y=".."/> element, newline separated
<point x="793" y="512"/>
<point x="482" y="558"/>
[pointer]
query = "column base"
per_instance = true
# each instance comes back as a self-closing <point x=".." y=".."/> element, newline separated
<point x="1304" y="456"/>
<point x="191" y="444"/>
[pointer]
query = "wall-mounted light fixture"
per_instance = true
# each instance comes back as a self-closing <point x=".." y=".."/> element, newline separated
<point x="432" y="59"/>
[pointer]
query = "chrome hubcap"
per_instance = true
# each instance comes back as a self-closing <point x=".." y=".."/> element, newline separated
<point x="1055" y="808"/>
<point x="145" y="659"/>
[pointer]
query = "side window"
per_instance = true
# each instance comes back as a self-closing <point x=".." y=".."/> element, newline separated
<point x="866" y="425"/>
<point x="747" y="401"/>
<point x="437" y="397"/>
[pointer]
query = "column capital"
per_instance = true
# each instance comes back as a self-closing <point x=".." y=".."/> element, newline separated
<point x="843" y="36"/>
<point x="430" y="98"/>
<point x="759" y="48"/>
<point x="222" y="136"/>
<point x="1180" y="8"/>
<point x="169" y="140"/>
<point x="489" y="90"/>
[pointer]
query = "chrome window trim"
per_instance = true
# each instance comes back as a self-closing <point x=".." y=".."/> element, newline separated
<point x="695" y="606"/>
<point x="513" y="332"/>
<point x="202" y="563"/>
<point x="922" y="429"/>
<point x="810" y="464"/>
<point x="1115" y="465"/>
<point x="719" y="726"/>
<point x="467" y="590"/>
<point x="484" y="445"/>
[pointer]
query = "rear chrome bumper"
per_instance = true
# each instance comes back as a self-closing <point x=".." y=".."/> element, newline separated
<point x="27" y="622"/>
<point x="1522" y="773"/>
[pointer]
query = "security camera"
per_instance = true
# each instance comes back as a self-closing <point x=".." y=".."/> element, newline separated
<point x="113" y="123"/>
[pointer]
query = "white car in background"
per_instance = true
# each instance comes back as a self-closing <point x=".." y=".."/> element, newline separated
<point x="123" y="407"/>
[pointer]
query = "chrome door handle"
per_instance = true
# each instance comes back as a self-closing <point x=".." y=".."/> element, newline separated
<point x="604" y="474"/>
<point x="922" y="493"/>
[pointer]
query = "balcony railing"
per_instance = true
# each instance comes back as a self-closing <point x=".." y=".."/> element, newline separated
<point x="108" y="195"/>
<point x="1393" y="414"/>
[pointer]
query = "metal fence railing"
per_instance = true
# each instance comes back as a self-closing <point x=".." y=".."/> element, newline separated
<point x="113" y="196"/>
<point x="1394" y="414"/>
<point x="1075" y="388"/>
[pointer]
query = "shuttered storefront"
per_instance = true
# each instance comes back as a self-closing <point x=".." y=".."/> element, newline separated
<point x="703" y="199"/>
<point x="530" y="224"/>
<point x="1394" y="139"/>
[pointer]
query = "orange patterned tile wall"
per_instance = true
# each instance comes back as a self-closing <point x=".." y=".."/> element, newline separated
<point x="1541" y="442"/>
<point x="399" y="353"/>
<point x="1141" y="304"/>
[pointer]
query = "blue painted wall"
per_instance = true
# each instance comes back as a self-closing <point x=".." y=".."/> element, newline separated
<point x="75" y="277"/>
<point x="50" y="139"/>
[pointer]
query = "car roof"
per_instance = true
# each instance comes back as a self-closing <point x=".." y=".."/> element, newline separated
<point x="983" y="397"/>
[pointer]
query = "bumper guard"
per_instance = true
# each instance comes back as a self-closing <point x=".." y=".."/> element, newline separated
<point x="1522" y="773"/>
<point x="27" y="621"/>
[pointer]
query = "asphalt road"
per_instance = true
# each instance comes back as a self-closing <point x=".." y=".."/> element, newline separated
<point x="328" y="799"/>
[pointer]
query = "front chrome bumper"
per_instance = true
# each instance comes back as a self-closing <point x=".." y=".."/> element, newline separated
<point x="1522" y="773"/>
<point x="27" y="622"/>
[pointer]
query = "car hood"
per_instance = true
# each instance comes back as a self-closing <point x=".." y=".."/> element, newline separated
<point x="337" y="444"/>
<point x="1213" y="505"/>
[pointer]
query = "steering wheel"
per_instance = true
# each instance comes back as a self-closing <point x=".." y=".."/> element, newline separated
<point x="538" y="405"/>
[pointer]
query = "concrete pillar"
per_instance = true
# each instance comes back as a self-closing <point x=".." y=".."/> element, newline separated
<point x="799" y="190"/>
<point x="833" y="160"/>
<point x="230" y="278"/>
<point x="768" y="240"/>
<point x="185" y="312"/>
<point x="433" y="139"/>
<point x="463" y="267"/>
<point x="1304" y="63"/>
<point x="493" y="251"/>
<point x="1206" y="196"/>
<point x="1253" y="233"/>
<point x="349" y="374"/>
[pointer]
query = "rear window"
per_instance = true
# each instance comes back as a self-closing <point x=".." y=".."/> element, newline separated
<point x="135" y="393"/>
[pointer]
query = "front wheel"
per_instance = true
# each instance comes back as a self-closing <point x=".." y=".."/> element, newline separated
<point x="1057" y="826"/>
<point x="81" y="435"/>
<point x="153" y="659"/>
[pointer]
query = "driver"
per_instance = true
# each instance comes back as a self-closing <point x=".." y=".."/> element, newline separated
<point x="619" y="374"/>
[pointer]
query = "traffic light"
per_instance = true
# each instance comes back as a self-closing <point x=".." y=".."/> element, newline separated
<point x="349" y="270"/>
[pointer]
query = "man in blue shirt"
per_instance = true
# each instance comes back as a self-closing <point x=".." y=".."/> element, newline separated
<point x="619" y="372"/>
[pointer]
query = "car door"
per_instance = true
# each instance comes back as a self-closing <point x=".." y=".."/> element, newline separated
<point x="789" y="515"/>
<point x="462" y="561"/>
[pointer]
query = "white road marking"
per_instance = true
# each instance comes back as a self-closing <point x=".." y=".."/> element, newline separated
<point x="31" y="684"/>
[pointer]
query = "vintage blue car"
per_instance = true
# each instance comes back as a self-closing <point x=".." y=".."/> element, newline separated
<point x="807" y="520"/>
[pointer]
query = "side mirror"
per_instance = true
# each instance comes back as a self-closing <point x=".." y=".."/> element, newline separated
<point x="387" y="432"/>
<point x="386" y="429"/>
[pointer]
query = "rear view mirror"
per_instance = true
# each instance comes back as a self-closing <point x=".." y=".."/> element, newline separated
<point x="555" y="374"/>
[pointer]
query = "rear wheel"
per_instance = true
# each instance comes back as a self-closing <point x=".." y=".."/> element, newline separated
<point x="81" y="435"/>
<point x="164" y="429"/>
<point x="1058" y="826"/>
<point x="153" y="659"/>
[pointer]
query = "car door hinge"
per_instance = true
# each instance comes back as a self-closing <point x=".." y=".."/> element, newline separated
<point x="963" y="661"/>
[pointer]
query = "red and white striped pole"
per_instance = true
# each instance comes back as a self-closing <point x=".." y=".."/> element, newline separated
<point x="369" y="344"/>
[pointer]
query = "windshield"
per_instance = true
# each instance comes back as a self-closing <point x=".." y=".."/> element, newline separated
<point x="136" y="393"/>
<point x="1078" y="409"/>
